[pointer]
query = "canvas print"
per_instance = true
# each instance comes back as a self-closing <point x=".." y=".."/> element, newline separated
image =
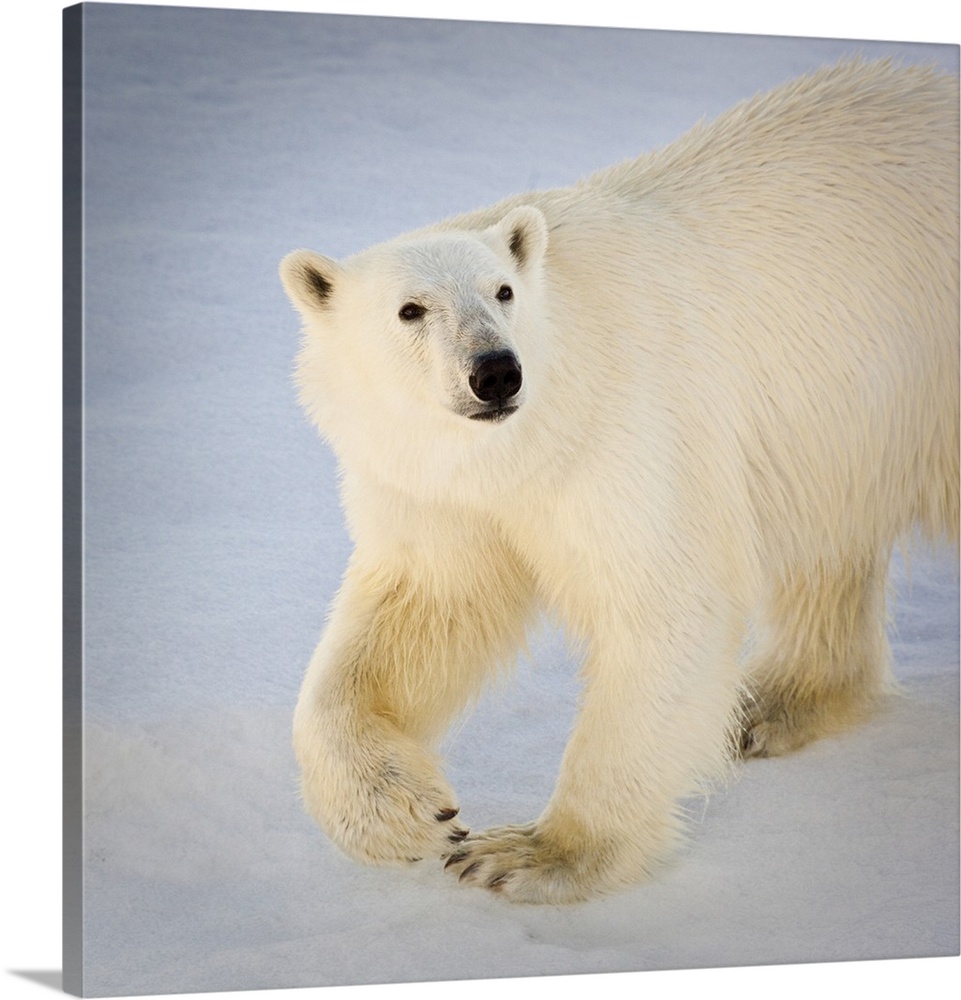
<point x="610" y="621"/>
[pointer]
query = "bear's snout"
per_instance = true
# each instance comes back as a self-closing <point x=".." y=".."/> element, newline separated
<point x="496" y="376"/>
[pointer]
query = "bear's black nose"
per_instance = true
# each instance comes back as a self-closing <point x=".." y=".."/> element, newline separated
<point x="496" y="376"/>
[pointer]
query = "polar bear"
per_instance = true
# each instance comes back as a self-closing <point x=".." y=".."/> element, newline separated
<point x="694" y="398"/>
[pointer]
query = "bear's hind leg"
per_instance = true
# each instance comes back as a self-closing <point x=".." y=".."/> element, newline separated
<point x="823" y="660"/>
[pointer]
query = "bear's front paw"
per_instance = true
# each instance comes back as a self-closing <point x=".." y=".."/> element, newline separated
<point x="382" y="801"/>
<point x="526" y="865"/>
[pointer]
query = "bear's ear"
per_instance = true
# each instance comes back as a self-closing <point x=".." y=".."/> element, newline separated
<point x="524" y="230"/>
<point x="310" y="280"/>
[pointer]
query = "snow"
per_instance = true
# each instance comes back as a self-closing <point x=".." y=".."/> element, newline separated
<point x="216" y="142"/>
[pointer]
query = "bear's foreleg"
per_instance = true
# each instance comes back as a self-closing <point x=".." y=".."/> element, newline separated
<point x="655" y="724"/>
<point x="401" y="656"/>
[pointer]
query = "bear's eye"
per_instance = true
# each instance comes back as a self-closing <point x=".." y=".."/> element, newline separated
<point x="505" y="293"/>
<point x="411" y="311"/>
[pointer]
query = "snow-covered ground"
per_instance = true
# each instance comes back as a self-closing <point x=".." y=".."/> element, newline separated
<point x="216" y="142"/>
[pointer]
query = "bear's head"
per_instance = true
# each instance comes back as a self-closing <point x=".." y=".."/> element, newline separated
<point x="435" y="330"/>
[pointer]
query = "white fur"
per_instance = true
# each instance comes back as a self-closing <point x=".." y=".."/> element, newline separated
<point x="740" y="388"/>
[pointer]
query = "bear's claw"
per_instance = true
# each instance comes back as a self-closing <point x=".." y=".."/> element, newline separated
<point x="526" y="865"/>
<point x="468" y="871"/>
